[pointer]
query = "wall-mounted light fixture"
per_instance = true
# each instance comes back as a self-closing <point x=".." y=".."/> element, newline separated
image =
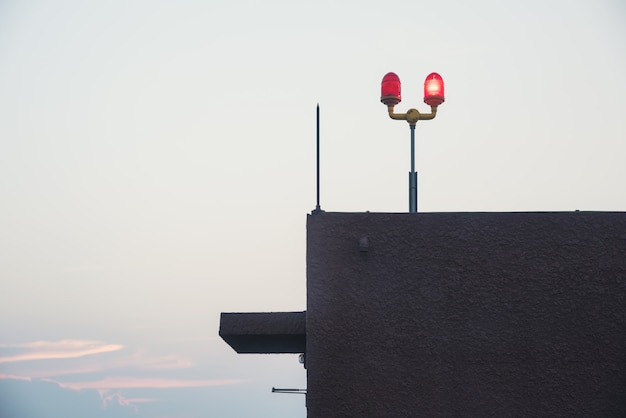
<point x="390" y="95"/>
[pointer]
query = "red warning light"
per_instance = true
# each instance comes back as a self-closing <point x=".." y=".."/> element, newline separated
<point x="390" y="89"/>
<point x="433" y="90"/>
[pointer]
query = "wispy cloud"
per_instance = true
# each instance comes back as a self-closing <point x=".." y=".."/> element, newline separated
<point x="43" y="344"/>
<point x="14" y="377"/>
<point x="124" y="382"/>
<point x="72" y="365"/>
<point x="141" y="359"/>
<point x="107" y="397"/>
<point x="75" y="356"/>
<point x="63" y="349"/>
<point x="96" y="365"/>
<point x="113" y="391"/>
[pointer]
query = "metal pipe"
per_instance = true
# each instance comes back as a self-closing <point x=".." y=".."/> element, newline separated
<point x="412" y="175"/>
<point x="297" y="391"/>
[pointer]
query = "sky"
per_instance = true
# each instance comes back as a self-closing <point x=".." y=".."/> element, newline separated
<point x="157" y="164"/>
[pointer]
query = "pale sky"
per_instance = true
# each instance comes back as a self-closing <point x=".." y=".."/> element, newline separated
<point x="157" y="162"/>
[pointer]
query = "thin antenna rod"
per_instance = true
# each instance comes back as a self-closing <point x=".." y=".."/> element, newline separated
<point x="317" y="206"/>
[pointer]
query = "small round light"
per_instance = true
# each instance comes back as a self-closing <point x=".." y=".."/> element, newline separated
<point x="433" y="90"/>
<point x="390" y="89"/>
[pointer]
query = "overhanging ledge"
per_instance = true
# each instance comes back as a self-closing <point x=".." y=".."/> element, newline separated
<point x="264" y="332"/>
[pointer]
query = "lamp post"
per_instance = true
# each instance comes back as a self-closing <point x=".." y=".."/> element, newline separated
<point x="433" y="96"/>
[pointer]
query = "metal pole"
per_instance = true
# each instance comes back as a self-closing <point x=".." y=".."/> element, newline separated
<point x="412" y="175"/>
<point x="317" y="207"/>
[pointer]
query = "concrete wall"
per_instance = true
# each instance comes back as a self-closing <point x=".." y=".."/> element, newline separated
<point x="466" y="314"/>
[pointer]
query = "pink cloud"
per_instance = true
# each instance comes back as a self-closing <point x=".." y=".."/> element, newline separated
<point x="51" y="371"/>
<point x="61" y="344"/>
<point x="109" y="388"/>
<point x="14" y="377"/>
<point x="46" y="350"/>
<point x="122" y="382"/>
<point x="81" y="354"/>
<point x="136" y="361"/>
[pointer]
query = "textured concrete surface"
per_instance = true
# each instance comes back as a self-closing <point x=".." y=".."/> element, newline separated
<point x="466" y="314"/>
<point x="264" y="332"/>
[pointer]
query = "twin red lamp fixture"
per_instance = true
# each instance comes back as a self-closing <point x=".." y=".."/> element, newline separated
<point x="433" y="96"/>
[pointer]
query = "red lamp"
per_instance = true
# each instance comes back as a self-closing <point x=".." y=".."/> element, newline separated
<point x="390" y="89"/>
<point x="433" y="96"/>
<point x="433" y="90"/>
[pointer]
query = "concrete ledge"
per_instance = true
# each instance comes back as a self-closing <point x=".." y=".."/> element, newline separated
<point x="264" y="332"/>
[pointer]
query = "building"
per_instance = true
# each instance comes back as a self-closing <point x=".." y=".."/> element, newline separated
<point x="456" y="314"/>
